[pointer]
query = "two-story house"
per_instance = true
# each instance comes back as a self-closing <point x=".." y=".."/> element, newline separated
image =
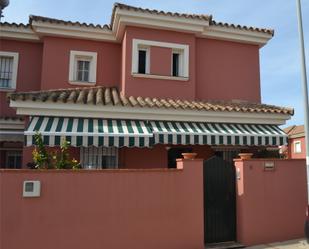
<point x="135" y="93"/>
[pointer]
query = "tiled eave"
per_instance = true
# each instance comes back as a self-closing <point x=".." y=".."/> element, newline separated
<point x="109" y="100"/>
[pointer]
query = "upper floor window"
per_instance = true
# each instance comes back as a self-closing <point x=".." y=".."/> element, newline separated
<point x="8" y="70"/>
<point x="83" y="68"/>
<point x="142" y="54"/>
<point x="141" y="66"/>
<point x="175" y="64"/>
<point x="82" y="72"/>
<point x="297" y="147"/>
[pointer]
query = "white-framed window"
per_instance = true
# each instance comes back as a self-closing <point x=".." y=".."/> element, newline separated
<point x="13" y="159"/>
<point x="141" y="58"/>
<point x="83" y="68"/>
<point x="99" y="157"/>
<point x="177" y="63"/>
<point x="8" y="70"/>
<point x="297" y="147"/>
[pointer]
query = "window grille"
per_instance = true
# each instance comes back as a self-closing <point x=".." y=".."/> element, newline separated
<point x="13" y="159"/>
<point x="6" y="71"/>
<point x="99" y="157"/>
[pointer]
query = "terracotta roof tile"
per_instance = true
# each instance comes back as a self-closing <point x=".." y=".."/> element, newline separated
<point x="59" y="21"/>
<point x="295" y="131"/>
<point x="12" y="118"/>
<point x="157" y="12"/>
<point x="111" y="96"/>
<point x="190" y="16"/>
<point x="13" y="24"/>
<point x="242" y="27"/>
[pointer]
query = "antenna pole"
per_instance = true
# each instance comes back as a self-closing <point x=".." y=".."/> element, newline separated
<point x="305" y="102"/>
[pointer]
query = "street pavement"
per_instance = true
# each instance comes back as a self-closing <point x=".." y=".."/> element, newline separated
<point x="291" y="244"/>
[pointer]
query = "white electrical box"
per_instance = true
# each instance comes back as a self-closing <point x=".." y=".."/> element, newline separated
<point x="32" y="189"/>
<point x="269" y="166"/>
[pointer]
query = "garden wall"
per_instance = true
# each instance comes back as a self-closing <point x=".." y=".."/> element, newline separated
<point x="159" y="208"/>
<point x="271" y="204"/>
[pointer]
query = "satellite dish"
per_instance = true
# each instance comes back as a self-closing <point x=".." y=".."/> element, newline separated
<point x="4" y="3"/>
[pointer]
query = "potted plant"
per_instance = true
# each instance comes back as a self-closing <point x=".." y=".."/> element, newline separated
<point x="189" y="155"/>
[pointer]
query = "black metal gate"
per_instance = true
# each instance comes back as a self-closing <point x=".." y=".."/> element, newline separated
<point x="219" y="201"/>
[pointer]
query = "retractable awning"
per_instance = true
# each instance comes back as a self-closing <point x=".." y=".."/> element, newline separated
<point x="217" y="133"/>
<point x="88" y="131"/>
<point x="135" y="133"/>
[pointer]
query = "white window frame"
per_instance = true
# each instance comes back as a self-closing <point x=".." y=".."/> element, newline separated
<point x="15" y="57"/>
<point x="297" y="143"/>
<point x="182" y="49"/>
<point x="98" y="152"/>
<point x="87" y="56"/>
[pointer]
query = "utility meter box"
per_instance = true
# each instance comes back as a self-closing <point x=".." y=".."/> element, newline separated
<point x="31" y="189"/>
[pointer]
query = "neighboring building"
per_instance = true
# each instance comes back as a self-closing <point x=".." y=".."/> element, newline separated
<point x="296" y="146"/>
<point x="135" y="93"/>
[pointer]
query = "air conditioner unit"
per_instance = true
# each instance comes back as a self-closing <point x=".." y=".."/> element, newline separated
<point x="31" y="189"/>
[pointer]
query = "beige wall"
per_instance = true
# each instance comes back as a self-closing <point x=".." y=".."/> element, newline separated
<point x="158" y="208"/>
<point x="271" y="205"/>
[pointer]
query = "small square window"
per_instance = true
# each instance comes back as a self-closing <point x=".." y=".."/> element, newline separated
<point x="8" y="69"/>
<point x="83" y="67"/>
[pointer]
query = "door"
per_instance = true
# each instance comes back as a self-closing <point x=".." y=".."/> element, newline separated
<point x="219" y="201"/>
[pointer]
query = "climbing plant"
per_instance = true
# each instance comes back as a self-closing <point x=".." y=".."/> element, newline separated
<point x="58" y="160"/>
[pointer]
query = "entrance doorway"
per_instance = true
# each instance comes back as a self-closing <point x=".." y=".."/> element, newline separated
<point x="219" y="201"/>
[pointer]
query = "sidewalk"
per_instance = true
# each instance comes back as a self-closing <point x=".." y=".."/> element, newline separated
<point x="291" y="244"/>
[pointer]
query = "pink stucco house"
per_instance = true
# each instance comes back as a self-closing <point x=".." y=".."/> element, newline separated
<point x="296" y="148"/>
<point x="178" y="80"/>
<point x="136" y="94"/>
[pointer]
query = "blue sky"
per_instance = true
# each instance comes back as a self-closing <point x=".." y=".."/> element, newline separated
<point x="279" y="59"/>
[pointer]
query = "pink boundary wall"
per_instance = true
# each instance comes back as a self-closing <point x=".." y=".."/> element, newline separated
<point x="271" y="205"/>
<point x="159" y="208"/>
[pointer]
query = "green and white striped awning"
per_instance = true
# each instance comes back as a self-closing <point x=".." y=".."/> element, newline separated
<point x="89" y="131"/>
<point x="217" y="133"/>
<point x="135" y="133"/>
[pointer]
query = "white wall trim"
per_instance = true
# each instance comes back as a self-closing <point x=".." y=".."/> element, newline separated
<point x="19" y="33"/>
<point x="160" y="77"/>
<point x="13" y="55"/>
<point x="236" y="35"/>
<point x="62" y="30"/>
<point x="92" y="57"/>
<point x="50" y="108"/>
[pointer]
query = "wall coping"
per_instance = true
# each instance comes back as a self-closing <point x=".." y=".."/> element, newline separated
<point x="267" y="159"/>
<point x="188" y="160"/>
<point x="91" y="171"/>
